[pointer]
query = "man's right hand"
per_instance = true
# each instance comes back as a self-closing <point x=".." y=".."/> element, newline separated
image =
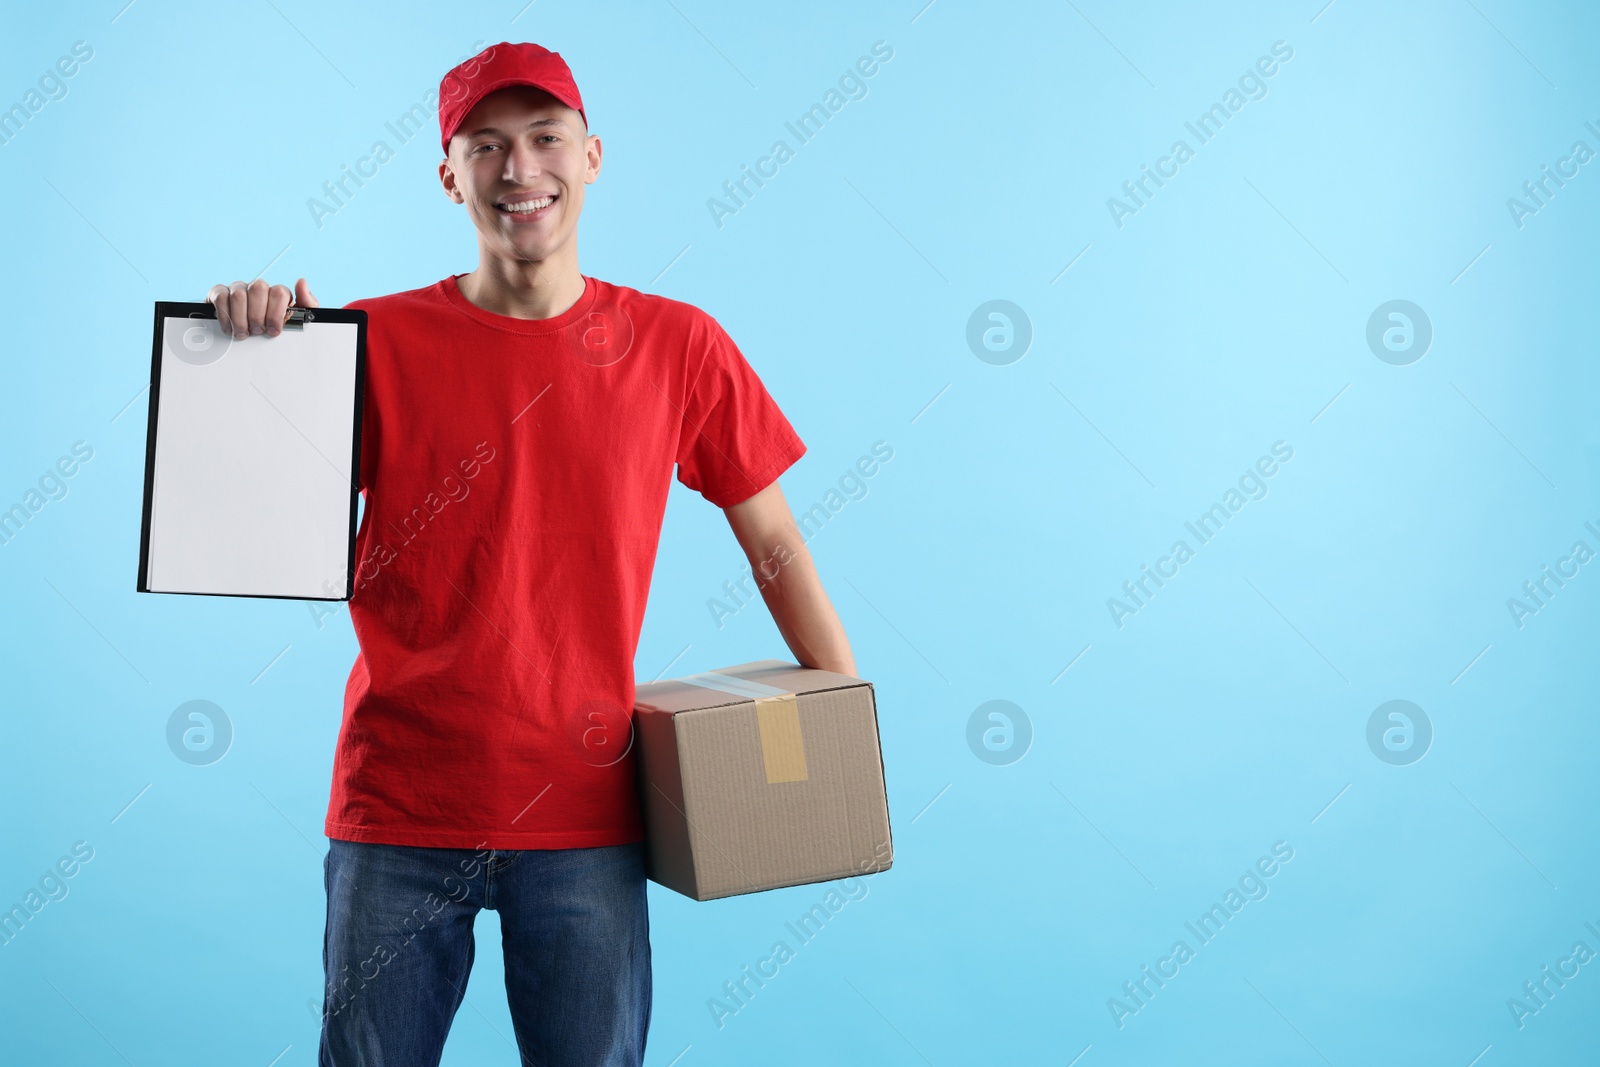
<point x="245" y="309"/>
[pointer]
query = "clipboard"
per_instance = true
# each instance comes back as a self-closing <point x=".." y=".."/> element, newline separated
<point x="252" y="456"/>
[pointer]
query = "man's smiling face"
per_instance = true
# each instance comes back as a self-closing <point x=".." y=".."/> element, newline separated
<point x="519" y="162"/>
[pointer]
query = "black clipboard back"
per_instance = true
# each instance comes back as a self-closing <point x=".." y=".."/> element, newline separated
<point x="191" y="497"/>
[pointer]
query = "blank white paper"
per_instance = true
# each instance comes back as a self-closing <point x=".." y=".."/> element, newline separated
<point x="252" y="479"/>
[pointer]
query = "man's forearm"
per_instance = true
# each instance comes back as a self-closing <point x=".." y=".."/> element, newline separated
<point x="789" y="584"/>
<point x="805" y="617"/>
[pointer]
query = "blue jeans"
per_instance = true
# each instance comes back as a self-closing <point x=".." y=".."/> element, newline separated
<point x="398" y="949"/>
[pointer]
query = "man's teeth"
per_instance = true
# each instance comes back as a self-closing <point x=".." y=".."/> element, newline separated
<point x="528" y="205"/>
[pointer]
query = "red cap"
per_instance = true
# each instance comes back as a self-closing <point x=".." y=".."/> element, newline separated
<point x="497" y="67"/>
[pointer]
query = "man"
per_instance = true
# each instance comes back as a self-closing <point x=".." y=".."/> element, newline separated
<point x="521" y="425"/>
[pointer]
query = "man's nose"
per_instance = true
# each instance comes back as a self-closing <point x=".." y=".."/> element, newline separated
<point x="522" y="165"/>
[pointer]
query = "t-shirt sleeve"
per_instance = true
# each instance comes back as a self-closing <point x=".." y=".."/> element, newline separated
<point x="734" y="440"/>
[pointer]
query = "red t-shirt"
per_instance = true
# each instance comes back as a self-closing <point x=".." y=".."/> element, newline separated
<point x="516" y="473"/>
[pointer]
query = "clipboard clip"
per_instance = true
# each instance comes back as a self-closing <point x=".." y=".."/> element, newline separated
<point x="298" y="317"/>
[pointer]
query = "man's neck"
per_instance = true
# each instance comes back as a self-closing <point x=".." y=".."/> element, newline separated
<point x="523" y="290"/>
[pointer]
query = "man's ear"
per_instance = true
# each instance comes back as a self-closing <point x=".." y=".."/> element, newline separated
<point x="447" y="178"/>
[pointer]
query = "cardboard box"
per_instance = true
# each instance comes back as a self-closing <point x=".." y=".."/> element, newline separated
<point x="759" y="776"/>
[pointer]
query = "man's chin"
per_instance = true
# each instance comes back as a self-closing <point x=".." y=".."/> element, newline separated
<point x="528" y="251"/>
<point x="522" y="240"/>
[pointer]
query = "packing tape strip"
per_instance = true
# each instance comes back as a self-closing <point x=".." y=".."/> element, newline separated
<point x="783" y="749"/>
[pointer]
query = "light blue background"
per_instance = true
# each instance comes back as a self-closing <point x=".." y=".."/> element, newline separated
<point x="1229" y="313"/>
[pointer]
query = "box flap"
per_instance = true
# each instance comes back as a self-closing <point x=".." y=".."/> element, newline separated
<point x="678" y="694"/>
